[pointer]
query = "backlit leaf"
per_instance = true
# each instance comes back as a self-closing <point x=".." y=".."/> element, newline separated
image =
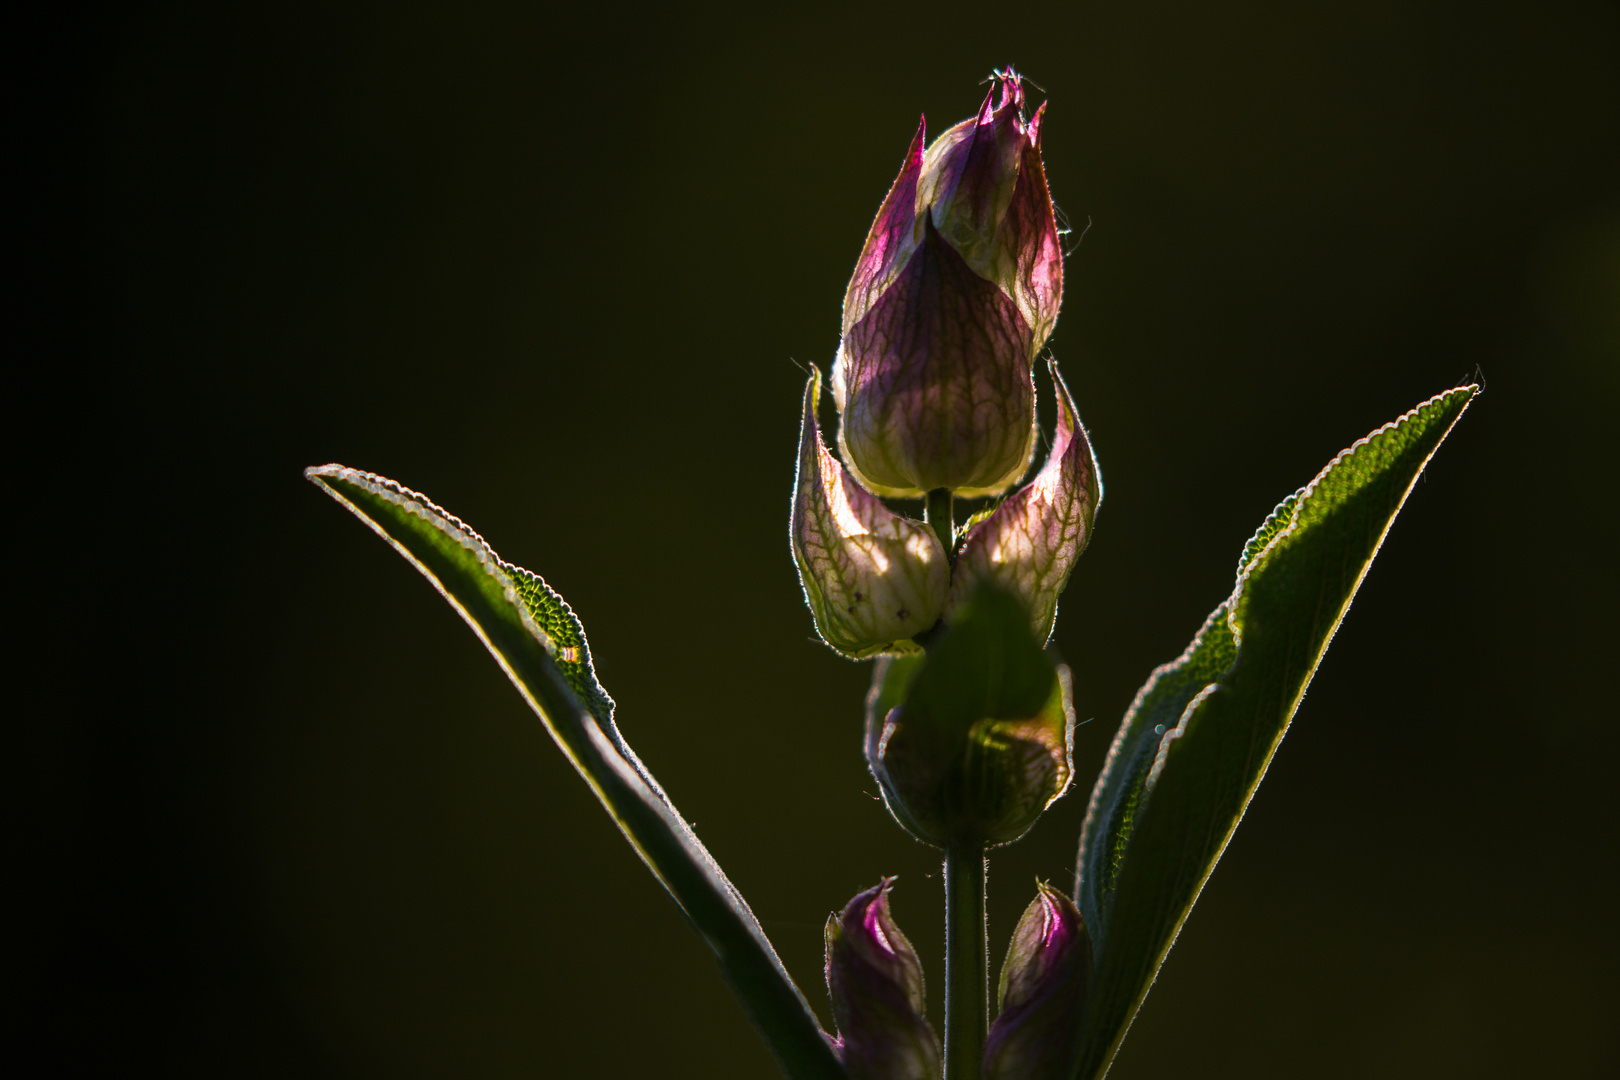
<point x="1202" y="731"/>
<point x="541" y="646"/>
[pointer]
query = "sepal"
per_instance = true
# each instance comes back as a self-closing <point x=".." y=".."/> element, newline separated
<point x="1030" y="543"/>
<point x="872" y="578"/>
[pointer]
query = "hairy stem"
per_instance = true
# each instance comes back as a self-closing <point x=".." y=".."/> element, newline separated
<point x="937" y="511"/>
<point x="967" y="961"/>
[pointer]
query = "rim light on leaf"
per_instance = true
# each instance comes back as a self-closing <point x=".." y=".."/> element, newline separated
<point x="1202" y="731"/>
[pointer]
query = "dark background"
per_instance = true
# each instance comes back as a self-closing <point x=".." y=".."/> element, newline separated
<point x="560" y="269"/>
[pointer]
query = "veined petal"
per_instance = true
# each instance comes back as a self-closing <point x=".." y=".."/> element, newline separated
<point x="873" y="579"/>
<point x="894" y="235"/>
<point x="1030" y="543"/>
<point x="934" y="382"/>
<point x="985" y="185"/>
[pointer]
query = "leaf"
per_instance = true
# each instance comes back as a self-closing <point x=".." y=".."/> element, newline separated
<point x="541" y="646"/>
<point x="1198" y="738"/>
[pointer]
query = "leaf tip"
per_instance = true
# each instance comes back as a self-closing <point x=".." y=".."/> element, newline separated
<point x="324" y="476"/>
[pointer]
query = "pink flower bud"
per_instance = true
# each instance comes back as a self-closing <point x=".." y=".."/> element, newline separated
<point x="876" y="985"/>
<point x="1031" y="542"/>
<point x="1043" y="990"/>
<point x="956" y="290"/>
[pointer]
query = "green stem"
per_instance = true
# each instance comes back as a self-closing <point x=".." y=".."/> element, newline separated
<point x="967" y="961"/>
<point x="937" y="511"/>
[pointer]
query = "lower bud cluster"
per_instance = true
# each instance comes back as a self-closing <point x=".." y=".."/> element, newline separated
<point x="876" y="984"/>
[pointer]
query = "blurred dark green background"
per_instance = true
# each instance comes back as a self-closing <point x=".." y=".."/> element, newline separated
<point x="560" y="267"/>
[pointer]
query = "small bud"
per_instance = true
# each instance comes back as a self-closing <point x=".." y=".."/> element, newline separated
<point x="1031" y="542"/>
<point x="956" y="290"/>
<point x="1043" y="990"/>
<point x="872" y="578"/>
<point x="876" y="985"/>
<point x="979" y="746"/>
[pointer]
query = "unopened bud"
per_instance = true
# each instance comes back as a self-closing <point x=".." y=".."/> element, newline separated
<point x="872" y="578"/>
<point x="876" y="985"/>
<point x="957" y="288"/>
<point x="1043" y="990"/>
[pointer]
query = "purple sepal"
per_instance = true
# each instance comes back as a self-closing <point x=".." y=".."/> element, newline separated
<point x="895" y="234"/>
<point x="1030" y="543"/>
<point x="1043" y="990"/>
<point x="1030" y="256"/>
<point x="876" y="985"/>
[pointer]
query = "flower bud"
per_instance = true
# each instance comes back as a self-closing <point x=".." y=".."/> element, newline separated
<point x="956" y="290"/>
<point x="876" y="985"/>
<point x="1030" y="543"/>
<point x="979" y="745"/>
<point x="872" y="578"/>
<point x="1043" y="990"/>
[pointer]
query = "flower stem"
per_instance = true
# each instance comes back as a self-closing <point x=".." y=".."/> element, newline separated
<point x="967" y="961"/>
<point x="938" y="512"/>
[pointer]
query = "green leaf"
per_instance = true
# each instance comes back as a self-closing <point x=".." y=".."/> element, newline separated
<point x="981" y="747"/>
<point x="541" y="646"/>
<point x="1200" y="734"/>
<point x="891" y="678"/>
<point x="987" y="664"/>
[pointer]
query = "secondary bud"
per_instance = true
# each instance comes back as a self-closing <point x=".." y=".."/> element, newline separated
<point x="1043" y="990"/>
<point x="956" y="290"/>
<point x="1030" y="543"/>
<point x="979" y="745"/>
<point x="876" y="985"/>
<point x="872" y="578"/>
